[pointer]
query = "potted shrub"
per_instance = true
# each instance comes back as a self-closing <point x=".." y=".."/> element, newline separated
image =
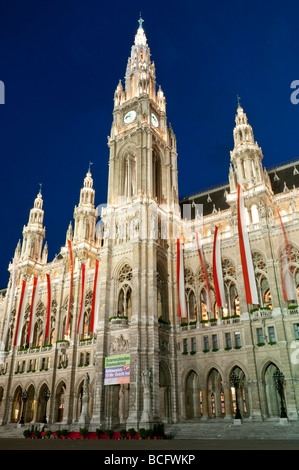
<point x="132" y="433"/>
<point x="123" y="433"/>
<point x="48" y="433"/>
<point x="58" y="433"/>
<point x="109" y="433"/>
<point x="27" y="433"/>
<point x="142" y="433"/>
<point x="149" y="434"/>
<point x="37" y="434"/>
<point x="64" y="433"/>
<point x="83" y="432"/>
<point x="99" y="432"/>
<point x="159" y="430"/>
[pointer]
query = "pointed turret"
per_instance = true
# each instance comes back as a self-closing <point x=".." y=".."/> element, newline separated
<point x="45" y="254"/>
<point x="34" y="231"/>
<point x="18" y="251"/>
<point x="69" y="233"/>
<point x="85" y="213"/>
<point x="140" y="78"/>
<point x="246" y="157"/>
<point x="246" y="169"/>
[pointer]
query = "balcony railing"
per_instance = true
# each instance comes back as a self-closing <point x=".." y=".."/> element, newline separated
<point x="212" y="323"/>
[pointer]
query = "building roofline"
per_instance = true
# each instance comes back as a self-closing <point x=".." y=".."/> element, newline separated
<point x="269" y="169"/>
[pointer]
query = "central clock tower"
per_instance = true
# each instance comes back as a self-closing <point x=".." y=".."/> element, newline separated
<point x="138" y="256"/>
<point x="142" y="146"/>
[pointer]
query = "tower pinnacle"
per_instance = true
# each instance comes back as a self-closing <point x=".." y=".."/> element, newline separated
<point x="140" y="21"/>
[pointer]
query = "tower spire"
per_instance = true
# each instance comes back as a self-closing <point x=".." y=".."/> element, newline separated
<point x="246" y="157"/>
<point x="239" y="101"/>
<point x="140" y="21"/>
<point x="34" y="231"/>
<point x="85" y="212"/>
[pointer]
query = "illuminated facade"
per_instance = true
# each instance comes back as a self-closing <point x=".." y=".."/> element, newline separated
<point x="180" y="368"/>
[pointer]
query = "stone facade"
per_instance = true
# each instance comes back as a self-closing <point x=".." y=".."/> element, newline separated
<point x="180" y="368"/>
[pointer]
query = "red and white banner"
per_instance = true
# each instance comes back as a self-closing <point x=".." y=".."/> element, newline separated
<point x="217" y="271"/>
<point x="245" y="252"/>
<point x="20" y="317"/>
<point x="204" y="270"/>
<point x="11" y="299"/>
<point x="83" y="296"/>
<point x="71" y="289"/>
<point x="49" y="300"/>
<point x="182" y="308"/>
<point x="95" y="299"/>
<point x="288" y="284"/>
<point x="34" y="297"/>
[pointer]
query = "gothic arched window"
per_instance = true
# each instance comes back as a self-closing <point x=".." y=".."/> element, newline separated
<point x="124" y="298"/>
<point x="162" y="295"/>
<point x="157" y="183"/>
<point x="129" y="174"/>
<point x="262" y="282"/>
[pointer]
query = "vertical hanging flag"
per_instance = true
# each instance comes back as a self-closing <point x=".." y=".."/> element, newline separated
<point x="245" y="252"/>
<point x="35" y="291"/>
<point x="83" y="295"/>
<point x="182" y="308"/>
<point x="49" y="299"/>
<point x="12" y="293"/>
<point x="95" y="299"/>
<point x="21" y="310"/>
<point x="71" y="289"/>
<point x="217" y="271"/>
<point x="204" y="270"/>
<point x="288" y="285"/>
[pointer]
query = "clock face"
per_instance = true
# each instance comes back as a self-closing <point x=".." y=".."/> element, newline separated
<point x="129" y="117"/>
<point x="155" y="120"/>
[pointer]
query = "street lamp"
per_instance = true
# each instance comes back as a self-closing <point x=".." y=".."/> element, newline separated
<point x="235" y="381"/>
<point x="279" y="384"/>
<point x="47" y="396"/>
<point x="24" y="399"/>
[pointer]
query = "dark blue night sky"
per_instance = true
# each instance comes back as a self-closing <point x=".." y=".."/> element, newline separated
<point x="61" y="62"/>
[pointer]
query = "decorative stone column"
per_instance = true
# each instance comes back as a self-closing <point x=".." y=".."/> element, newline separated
<point x="146" y="417"/>
<point x="205" y="413"/>
<point x="227" y="401"/>
<point x="84" y="416"/>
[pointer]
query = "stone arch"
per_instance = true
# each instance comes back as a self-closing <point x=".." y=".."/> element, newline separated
<point x="215" y="394"/>
<point x="42" y="403"/>
<point x="192" y="395"/>
<point x="272" y="397"/>
<point x="79" y="398"/>
<point x="30" y="404"/>
<point x="60" y="395"/>
<point x="17" y="406"/>
<point x="165" y="392"/>
<point x="240" y="393"/>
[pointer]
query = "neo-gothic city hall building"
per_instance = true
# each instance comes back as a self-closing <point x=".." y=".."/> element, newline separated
<point x="158" y="310"/>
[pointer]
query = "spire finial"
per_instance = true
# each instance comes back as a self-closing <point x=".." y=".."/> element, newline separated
<point x="140" y="21"/>
<point x="90" y="163"/>
<point x="239" y="102"/>
<point x="40" y="188"/>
